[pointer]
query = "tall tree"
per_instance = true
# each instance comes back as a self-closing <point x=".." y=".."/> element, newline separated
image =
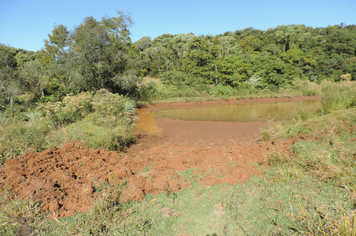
<point x="58" y="42"/>
<point x="99" y="54"/>
<point x="9" y="81"/>
<point x="34" y="78"/>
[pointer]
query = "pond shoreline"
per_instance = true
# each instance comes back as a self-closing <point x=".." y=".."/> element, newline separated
<point x="173" y="105"/>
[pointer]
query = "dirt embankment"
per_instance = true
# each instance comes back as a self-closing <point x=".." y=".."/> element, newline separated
<point x="67" y="180"/>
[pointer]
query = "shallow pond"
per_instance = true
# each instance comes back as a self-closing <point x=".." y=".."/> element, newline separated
<point x="226" y="112"/>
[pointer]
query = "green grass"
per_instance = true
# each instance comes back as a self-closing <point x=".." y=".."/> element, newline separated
<point x="166" y="93"/>
<point x="293" y="203"/>
<point x="95" y="135"/>
<point x="336" y="123"/>
<point x="20" y="137"/>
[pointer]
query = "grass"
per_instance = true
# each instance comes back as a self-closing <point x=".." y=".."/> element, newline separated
<point x="165" y="93"/>
<point x="326" y="164"/>
<point x="290" y="204"/>
<point x="109" y="137"/>
<point x="16" y="212"/>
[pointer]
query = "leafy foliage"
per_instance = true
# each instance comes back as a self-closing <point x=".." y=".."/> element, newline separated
<point x="277" y="56"/>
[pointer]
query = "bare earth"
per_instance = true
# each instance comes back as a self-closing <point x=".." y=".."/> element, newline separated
<point x="67" y="180"/>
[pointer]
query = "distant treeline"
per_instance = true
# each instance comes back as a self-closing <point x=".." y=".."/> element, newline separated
<point x="100" y="54"/>
<point x="275" y="56"/>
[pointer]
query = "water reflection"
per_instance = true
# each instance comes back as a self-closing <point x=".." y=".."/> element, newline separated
<point x="240" y="112"/>
<point x="231" y="113"/>
<point x="147" y="122"/>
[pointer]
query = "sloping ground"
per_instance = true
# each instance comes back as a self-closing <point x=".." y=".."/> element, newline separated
<point x="67" y="180"/>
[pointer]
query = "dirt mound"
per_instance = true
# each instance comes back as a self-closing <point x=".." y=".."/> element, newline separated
<point x="67" y="180"/>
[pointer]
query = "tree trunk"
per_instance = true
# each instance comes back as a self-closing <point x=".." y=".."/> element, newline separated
<point x="216" y="77"/>
<point x="11" y="101"/>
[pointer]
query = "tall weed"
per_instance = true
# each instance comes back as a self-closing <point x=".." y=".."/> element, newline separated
<point x="22" y="137"/>
<point x="304" y="87"/>
<point x="338" y="96"/>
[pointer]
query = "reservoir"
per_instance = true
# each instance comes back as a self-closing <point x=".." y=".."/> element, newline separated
<point x="250" y="112"/>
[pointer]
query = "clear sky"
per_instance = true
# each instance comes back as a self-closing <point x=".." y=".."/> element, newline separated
<point x="26" y="23"/>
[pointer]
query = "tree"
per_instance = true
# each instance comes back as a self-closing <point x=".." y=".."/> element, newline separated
<point x="34" y="78"/>
<point x="58" y="42"/>
<point x="9" y="81"/>
<point x="197" y="59"/>
<point x="99" y="55"/>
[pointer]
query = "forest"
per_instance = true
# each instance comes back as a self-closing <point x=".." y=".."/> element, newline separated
<point x="99" y="54"/>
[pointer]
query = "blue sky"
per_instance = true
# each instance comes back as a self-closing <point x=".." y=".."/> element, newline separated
<point x="26" y="23"/>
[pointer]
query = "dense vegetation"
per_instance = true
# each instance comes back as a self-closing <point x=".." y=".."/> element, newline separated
<point x="251" y="57"/>
<point x="100" y="54"/>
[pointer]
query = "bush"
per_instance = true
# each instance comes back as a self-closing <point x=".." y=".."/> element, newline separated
<point x="173" y="78"/>
<point x="109" y="126"/>
<point x="106" y="103"/>
<point x="145" y="93"/>
<point x="221" y="91"/>
<point x="176" y="92"/>
<point x="72" y="109"/>
<point x="254" y="83"/>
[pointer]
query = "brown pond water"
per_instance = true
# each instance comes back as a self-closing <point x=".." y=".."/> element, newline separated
<point x="227" y="112"/>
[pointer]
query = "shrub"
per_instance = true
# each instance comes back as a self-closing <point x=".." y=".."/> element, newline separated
<point x="104" y="120"/>
<point x="33" y="115"/>
<point x="145" y="93"/>
<point x="221" y="91"/>
<point x="109" y="104"/>
<point x="254" y="83"/>
<point x="175" y="92"/>
<point x="173" y="78"/>
<point x="72" y="109"/>
<point x="109" y="126"/>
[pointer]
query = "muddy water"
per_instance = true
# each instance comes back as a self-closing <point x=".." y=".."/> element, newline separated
<point x="147" y="122"/>
<point x="226" y="112"/>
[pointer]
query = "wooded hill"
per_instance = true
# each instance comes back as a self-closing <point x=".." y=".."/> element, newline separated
<point x="100" y="54"/>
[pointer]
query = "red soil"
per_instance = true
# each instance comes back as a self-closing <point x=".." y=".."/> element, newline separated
<point x="66" y="179"/>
